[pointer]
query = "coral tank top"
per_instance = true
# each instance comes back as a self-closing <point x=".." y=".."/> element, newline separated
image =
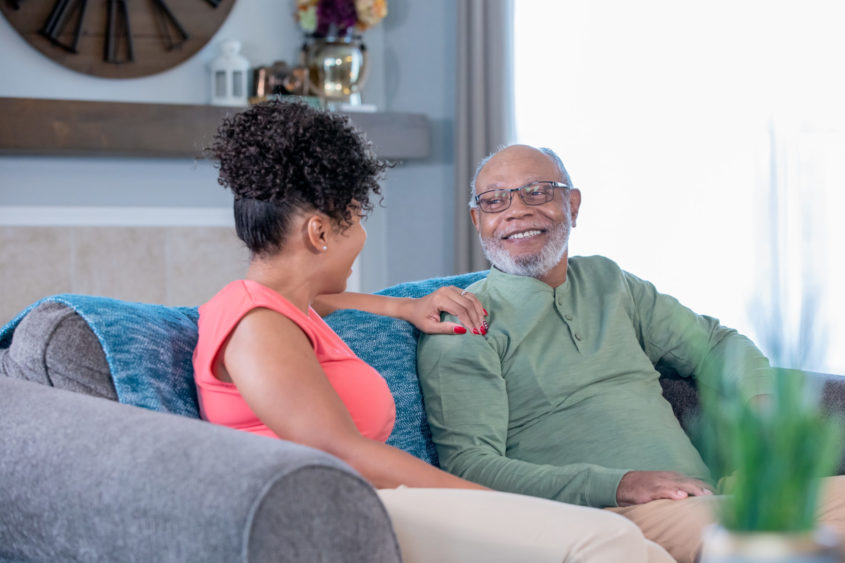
<point x="360" y="387"/>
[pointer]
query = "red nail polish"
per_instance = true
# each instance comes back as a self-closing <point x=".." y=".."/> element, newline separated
<point x="483" y="331"/>
<point x="485" y="312"/>
<point x="475" y="331"/>
<point x="459" y="330"/>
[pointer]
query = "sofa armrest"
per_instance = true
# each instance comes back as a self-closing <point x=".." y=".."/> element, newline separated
<point x="89" y="479"/>
<point x="54" y="346"/>
<point x="682" y="394"/>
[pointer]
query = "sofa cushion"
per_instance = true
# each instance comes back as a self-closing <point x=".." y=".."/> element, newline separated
<point x="148" y="348"/>
<point x="390" y="346"/>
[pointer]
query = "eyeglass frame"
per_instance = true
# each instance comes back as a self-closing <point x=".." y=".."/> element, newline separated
<point x="554" y="184"/>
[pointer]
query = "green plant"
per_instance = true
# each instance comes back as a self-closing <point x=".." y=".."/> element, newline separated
<point x="772" y="454"/>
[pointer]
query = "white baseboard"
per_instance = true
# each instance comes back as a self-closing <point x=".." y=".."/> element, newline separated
<point x="64" y="216"/>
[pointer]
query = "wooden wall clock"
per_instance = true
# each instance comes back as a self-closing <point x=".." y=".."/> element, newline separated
<point x="117" y="38"/>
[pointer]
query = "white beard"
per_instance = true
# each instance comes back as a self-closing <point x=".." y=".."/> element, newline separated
<point x="532" y="265"/>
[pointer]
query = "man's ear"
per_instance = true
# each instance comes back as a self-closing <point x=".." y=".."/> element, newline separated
<point x="317" y="232"/>
<point x="473" y="214"/>
<point x="574" y="204"/>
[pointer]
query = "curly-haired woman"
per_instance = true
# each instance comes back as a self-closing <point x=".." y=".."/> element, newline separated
<point x="266" y="362"/>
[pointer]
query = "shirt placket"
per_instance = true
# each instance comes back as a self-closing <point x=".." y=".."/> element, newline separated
<point x="564" y="311"/>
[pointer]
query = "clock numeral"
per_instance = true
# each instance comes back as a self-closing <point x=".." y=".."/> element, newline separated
<point x="166" y="22"/>
<point x="118" y="28"/>
<point x="59" y="19"/>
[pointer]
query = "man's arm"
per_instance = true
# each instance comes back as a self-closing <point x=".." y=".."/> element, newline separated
<point x="696" y="345"/>
<point x="467" y="407"/>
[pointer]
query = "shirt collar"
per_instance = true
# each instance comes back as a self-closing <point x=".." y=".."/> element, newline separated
<point x="521" y="283"/>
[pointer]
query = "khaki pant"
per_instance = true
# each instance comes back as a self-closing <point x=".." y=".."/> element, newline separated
<point x="678" y="525"/>
<point x="465" y="526"/>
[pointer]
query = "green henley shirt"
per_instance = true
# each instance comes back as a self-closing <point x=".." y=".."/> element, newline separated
<point x="561" y="398"/>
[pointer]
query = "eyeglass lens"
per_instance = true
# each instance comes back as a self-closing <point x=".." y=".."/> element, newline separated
<point x="536" y="193"/>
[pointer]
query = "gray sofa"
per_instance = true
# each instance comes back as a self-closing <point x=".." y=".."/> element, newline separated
<point x="87" y="476"/>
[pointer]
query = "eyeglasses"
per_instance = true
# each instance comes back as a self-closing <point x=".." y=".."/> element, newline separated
<point x="535" y="193"/>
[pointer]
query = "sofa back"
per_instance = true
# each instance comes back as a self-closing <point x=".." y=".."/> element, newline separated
<point x="140" y="354"/>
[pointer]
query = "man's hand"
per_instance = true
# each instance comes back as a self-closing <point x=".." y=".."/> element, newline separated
<point x="639" y="487"/>
<point x="424" y="312"/>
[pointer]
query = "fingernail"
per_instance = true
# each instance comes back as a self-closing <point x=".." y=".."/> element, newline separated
<point x="475" y="331"/>
<point x="483" y="331"/>
<point x="459" y="330"/>
<point x="485" y="312"/>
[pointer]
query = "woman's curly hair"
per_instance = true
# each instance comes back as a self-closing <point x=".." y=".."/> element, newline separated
<point x="281" y="157"/>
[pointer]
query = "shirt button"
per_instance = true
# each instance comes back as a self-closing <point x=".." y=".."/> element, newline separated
<point x="568" y="317"/>
<point x="578" y="336"/>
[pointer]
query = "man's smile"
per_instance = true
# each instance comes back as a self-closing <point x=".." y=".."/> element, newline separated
<point x="524" y="234"/>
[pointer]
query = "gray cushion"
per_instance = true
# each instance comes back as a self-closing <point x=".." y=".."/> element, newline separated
<point x="53" y="345"/>
<point x="85" y="479"/>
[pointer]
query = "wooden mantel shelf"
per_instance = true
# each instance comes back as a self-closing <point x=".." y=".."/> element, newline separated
<point x="30" y="126"/>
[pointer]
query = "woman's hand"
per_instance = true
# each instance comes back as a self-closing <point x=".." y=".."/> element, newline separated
<point x="424" y="312"/>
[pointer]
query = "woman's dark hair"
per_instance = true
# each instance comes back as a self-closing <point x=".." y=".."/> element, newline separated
<point x="282" y="157"/>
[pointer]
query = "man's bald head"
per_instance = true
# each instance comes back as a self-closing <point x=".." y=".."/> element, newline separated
<point x="552" y="155"/>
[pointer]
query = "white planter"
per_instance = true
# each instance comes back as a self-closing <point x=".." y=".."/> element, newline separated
<point x="723" y="546"/>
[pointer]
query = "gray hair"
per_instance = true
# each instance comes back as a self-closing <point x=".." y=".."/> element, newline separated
<point x="547" y="151"/>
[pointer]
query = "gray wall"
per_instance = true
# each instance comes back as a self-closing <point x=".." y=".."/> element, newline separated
<point x="420" y="51"/>
<point x="412" y="69"/>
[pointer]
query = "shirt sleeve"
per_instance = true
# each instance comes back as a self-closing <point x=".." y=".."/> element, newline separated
<point x="697" y="345"/>
<point x="467" y="406"/>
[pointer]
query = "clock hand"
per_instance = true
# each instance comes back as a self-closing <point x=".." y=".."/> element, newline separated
<point x="59" y="19"/>
<point x="165" y="16"/>
<point x="118" y="25"/>
<point x="58" y="9"/>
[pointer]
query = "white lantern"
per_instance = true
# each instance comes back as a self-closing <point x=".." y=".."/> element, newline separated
<point x="228" y="76"/>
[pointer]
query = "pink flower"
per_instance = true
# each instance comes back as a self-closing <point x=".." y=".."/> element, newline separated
<point x="337" y="17"/>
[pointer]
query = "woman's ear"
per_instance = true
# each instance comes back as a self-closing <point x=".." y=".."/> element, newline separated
<point x="317" y="229"/>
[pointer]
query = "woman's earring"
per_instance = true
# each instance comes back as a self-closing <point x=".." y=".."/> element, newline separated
<point x="325" y="248"/>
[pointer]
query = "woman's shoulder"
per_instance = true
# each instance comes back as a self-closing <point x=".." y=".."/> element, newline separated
<point x="249" y="294"/>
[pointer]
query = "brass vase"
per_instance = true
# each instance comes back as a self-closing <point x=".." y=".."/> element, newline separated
<point x="725" y="546"/>
<point x="337" y="66"/>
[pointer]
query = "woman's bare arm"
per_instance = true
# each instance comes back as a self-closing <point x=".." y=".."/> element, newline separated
<point x="272" y="363"/>
<point x="423" y="312"/>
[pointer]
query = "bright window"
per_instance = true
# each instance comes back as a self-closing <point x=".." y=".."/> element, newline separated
<point x="708" y="140"/>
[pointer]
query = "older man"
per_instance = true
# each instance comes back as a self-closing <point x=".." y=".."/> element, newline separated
<point x="561" y="399"/>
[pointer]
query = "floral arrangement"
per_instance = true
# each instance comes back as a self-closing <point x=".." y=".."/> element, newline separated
<point x="322" y="18"/>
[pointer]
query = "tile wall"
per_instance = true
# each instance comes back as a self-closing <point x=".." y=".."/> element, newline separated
<point x="167" y="265"/>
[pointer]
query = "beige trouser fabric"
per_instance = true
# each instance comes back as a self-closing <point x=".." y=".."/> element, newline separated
<point x="678" y="525"/>
<point x="465" y="526"/>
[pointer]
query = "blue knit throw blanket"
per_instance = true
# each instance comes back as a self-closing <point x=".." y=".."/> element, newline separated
<point x="149" y="349"/>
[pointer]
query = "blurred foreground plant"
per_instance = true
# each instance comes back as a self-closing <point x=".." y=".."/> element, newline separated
<point x="771" y="454"/>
